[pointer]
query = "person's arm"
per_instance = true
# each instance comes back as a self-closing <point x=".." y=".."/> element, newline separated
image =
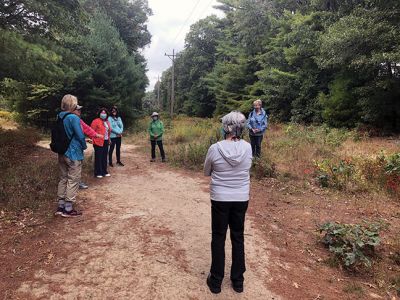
<point x="114" y="126"/>
<point x="121" y="124"/>
<point x="248" y="122"/>
<point x="77" y="131"/>
<point x="150" y="130"/>
<point x="88" y="131"/>
<point x="264" y="123"/>
<point x="208" y="162"/>
<point x="161" y="128"/>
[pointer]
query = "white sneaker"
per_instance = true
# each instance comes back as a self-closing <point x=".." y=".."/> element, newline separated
<point x="107" y="175"/>
<point x="99" y="176"/>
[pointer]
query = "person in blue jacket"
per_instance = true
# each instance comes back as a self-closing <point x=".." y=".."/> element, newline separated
<point x="117" y="128"/>
<point x="70" y="162"/>
<point x="257" y="124"/>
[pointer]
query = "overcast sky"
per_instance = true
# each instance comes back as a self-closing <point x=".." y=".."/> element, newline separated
<point x="168" y="26"/>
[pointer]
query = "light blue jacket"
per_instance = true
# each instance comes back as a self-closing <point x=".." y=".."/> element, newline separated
<point x="73" y="128"/>
<point x="117" y="127"/>
<point x="257" y="122"/>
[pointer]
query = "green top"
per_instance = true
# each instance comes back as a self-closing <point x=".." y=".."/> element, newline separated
<point x="156" y="128"/>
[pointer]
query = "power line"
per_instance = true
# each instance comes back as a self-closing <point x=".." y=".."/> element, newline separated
<point x="187" y="19"/>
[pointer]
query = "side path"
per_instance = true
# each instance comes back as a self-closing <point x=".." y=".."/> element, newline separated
<point x="148" y="237"/>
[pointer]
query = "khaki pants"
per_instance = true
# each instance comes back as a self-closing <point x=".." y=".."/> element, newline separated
<point x="70" y="176"/>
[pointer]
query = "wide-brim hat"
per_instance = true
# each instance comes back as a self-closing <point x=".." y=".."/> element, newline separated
<point x="154" y="114"/>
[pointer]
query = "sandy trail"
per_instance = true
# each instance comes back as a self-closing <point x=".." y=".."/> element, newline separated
<point x="149" y="239"/>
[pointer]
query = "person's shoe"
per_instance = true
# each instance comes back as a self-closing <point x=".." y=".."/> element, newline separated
<point x="107" y="175"/>
<point x="163" y="160"/>
<point x="152" y="160"/>
<point x="71" y="214"/>
<point x="213" y="287"/>
<point x="99" y="176"/>
<point x="59" y="211"/>
<point x="120" y="164"/>
<point x="111" y="164"/>
<point x="83" y="186"/>
<point x="237" y="287"/>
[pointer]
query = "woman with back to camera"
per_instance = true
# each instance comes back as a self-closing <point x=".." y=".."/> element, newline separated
<point x="117" y="127"/>
<point x="228" y="163"/>
<point x="100" y="145"/>
<point x="257" y="124"/>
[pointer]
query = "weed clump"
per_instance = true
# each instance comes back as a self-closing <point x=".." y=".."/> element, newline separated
<point x="353" y="245"/>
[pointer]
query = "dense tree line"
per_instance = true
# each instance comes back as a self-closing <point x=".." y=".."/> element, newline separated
<point x="312" y="61"/>
<point x="88" y="48"/>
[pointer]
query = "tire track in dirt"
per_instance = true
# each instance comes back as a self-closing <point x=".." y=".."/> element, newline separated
<point x="151" y="240"/>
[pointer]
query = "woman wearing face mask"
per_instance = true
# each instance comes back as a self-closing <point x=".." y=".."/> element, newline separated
<point x="103" y="127"/>
<point x="156" y="130"/>
<point x="117" y="127"/>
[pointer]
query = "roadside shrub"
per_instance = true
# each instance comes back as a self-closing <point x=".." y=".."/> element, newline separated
<point x="263" y="167"/>
<point x="338" y="175"/>
<point x="352" y="244"/>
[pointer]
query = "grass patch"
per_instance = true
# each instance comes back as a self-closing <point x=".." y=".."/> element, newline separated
<point x="29" y="174"/>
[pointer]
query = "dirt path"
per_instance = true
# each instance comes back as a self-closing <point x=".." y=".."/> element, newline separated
<point x="145" y="234"/>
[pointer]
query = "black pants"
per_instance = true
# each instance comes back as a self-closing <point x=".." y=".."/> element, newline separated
<point x="100" y="159"/>
<point x="153" y="149"/>
<point x="255" y="141"/>
<point x="115" y="142"/>
<point x="224" y="214"/>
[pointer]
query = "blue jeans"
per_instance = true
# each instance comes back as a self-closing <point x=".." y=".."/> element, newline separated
<point x="255" y="141"/>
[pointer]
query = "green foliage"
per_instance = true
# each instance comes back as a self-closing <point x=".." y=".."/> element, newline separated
<point x="352" y="244"/>
<point x="310" y="61"/>
<point x="86" y="48"/>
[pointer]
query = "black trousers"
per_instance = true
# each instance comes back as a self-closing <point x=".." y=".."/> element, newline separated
<point x="255" y="141"/>
<point x="115" y="143"/>
<point x="153" y="149"/>
<point x="100" y="159"/>
<point x="224" y="214"/>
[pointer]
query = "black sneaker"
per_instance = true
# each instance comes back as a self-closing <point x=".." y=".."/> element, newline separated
<point x="163" y="160"/>
<point x="213" y="287"/>
<point x="152" y="160"/>
<point x="111" y="165"/>
<point x="237" y="287"/>
<point x="71" y="214"/>
<point x="120" y="164"/>
<point x="59" y="211"/>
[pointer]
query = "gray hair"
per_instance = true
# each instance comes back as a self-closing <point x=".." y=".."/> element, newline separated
<point x="234" y="123"/>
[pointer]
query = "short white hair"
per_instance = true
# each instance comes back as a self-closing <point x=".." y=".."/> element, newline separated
<point x="234" y="123"/>
<point x="258" y="101"/>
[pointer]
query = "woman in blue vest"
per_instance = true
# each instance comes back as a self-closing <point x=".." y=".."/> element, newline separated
<point x="257" y="124"/>
<point x="117" y="127"/>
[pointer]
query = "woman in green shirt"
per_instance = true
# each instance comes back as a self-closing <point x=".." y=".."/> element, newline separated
<point x="156" y="130"/>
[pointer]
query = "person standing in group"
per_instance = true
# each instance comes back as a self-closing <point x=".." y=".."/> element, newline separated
<point x="257" y="124"/>
<point x="70" y="162"/>
<point x="156" y="131"/>
<point x="102" y="126"/>
<point x="89" y="132"/>
<point x="117" y="127"/>
<point x="228" y="162"/>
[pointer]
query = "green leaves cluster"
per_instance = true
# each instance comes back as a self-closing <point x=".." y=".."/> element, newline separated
<point x="352" y="244"/>
<point x="87" y="48"/>
<point x="310" y="61"/>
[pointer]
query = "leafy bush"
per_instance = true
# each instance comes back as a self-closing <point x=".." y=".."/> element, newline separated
<point x="264" y="167"/>
<point x="337" y="175"/>
<point x="352" y="244"/>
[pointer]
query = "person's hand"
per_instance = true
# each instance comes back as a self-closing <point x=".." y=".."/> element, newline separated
<point x="98" y="135"/>
<point x="119" y="135"/>
<point x="155" y="136"/>
<point x="109" y="142"/>
<point x="89" y="141"/>
<point x="254" y="130"/>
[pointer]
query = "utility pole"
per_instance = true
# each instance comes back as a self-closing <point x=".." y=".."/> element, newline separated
<point x="158" y="93"/>
<point x="172" y="57"/>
